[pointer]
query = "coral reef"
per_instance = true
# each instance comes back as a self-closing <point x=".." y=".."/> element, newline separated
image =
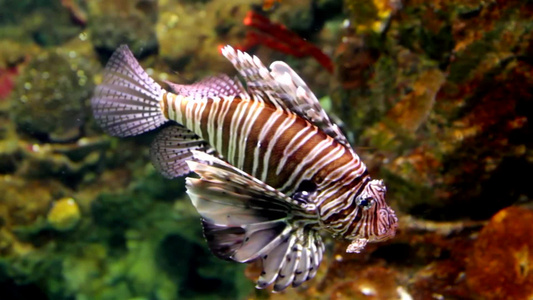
<point x="279" y="38"/>
<point x="64" y="214"/>
<point x="435" y="95"/>
<point x="12" y="56"/>
<point x="501" y="263"/>
<point x="57" y="85"/>
<point x="187" y="22"/>
<point x="114" y="23"/>
<point x="443" y="105"/>
<point x="6" y="81"/>
<point x="47" y="22"/>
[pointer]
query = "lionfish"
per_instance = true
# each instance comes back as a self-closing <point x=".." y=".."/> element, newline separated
<point x="274" y="170"/>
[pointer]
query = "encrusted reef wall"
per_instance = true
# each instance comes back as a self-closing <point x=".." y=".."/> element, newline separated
<point x="436" y="97"/>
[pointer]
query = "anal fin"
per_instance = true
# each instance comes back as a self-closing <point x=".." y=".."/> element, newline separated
<point x="172" y="148"/>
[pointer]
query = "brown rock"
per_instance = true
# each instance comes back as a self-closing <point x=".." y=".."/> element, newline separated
<point x="501" y="264"/>
<point x="372" y="283"/>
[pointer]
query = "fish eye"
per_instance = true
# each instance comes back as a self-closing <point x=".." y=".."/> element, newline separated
<point x="364" y="202"/>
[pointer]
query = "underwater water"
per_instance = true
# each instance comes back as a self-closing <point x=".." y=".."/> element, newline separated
<point x="434" y="96"/>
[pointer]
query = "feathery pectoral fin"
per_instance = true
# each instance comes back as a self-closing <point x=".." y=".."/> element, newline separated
<point x="295" y="261"/>
<point x="228" y="198"/>
<point x="245" y="219"/>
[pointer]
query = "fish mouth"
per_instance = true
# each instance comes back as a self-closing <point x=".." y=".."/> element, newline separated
<point x="388" y="223"/>
<point x="386" y="230"/>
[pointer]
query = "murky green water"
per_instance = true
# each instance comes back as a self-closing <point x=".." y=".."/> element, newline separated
<point x="434" y="96"/>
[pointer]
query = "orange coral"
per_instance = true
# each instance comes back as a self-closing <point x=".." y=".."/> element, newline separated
<point x="278" y="37"/>
<point x="413" y="109"/>
<point x="372" y="283"/>
<point x="268" y="4"/>
<point x="501" y="264"/>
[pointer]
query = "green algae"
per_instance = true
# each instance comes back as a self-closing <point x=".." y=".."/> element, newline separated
<point x="138" y="236"/>
<point x="46" y="22"/>
<point x="55" y="85"/>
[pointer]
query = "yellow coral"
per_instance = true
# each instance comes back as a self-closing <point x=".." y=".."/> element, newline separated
<point x="64" y="214"/>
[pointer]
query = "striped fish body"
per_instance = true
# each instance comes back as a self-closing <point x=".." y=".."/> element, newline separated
<point x="279" y="148"/>
<point x="274" y="170"/>
<point x="273" y="145"/>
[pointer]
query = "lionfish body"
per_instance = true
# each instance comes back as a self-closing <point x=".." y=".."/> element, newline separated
<point x="274" y="170"/>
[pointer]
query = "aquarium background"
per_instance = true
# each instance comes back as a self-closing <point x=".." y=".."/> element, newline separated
<point x="436" y="97"/>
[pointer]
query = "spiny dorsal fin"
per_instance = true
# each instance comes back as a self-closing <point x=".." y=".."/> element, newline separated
<point x="283" y="88"/>
<point x="303" y="101"/>
<point x="214" y="86"/>
<point x="257" y="77"/>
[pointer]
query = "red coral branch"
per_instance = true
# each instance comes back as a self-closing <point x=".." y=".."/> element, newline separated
<point x="7" y="81"/>
<point x="76" y="13"/>
<point x="278" y="37"/>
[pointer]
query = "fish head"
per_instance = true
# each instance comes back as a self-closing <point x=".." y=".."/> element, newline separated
<point x="375" y="220"/>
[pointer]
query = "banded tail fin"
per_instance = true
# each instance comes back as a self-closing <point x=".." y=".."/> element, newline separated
<point x="127" y="102"/>
<point x="244" y="219"/>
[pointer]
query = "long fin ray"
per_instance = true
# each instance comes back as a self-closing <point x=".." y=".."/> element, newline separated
<point x="287" y="272"/>
<point x="272" y="263"/>
<point x="283" y="88"/>
<point x="243" y="244"/>
<point x="302" y="269"/>
<point x="244" y="219"/>
<point x="127" y="101"/>
<point x="303" y="101"/>
<point x="291" y="262"/>
<point x="256" y="76"/>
